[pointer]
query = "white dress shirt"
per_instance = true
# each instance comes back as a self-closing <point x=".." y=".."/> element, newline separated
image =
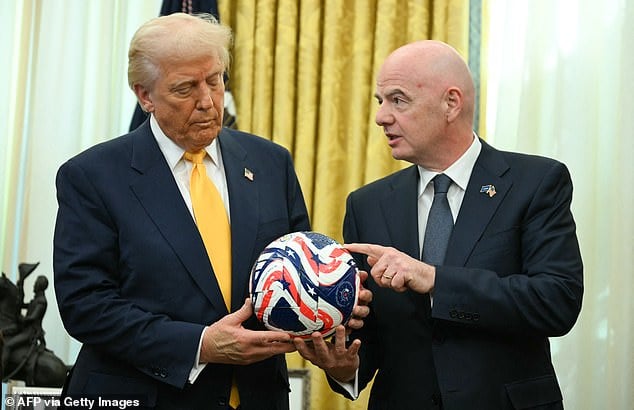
<point x="459" y="172"/>
<point x="182" y="169"/>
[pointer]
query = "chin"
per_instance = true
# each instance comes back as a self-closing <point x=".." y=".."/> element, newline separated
<point x="396" y="154"/>
<point x="402" y="156"/>
<point x="208" y="135"/>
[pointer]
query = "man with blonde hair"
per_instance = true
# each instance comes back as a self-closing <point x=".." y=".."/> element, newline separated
<point x="157" y="231"/>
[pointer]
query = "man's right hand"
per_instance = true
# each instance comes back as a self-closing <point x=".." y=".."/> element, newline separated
<point x="226" y="341"/>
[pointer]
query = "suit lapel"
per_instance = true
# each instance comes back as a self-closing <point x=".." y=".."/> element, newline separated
<point x="158" y="193"/>
<point x="477" y="207"/>
<point x="244" y="205"/>
<point x="400" y="210"/>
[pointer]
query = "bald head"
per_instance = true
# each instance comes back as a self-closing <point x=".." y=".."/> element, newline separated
<point x="426" y="97"/>
<point x="438" y="65"/>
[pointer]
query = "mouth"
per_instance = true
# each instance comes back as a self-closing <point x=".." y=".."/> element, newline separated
<point x="392" y="139"/>
<point x="204" y="123"/>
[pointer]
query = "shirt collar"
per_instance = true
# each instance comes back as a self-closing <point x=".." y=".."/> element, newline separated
<point x="459" y="171"/>
<point x="174" y="153"/>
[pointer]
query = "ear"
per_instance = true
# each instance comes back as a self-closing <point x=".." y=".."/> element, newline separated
<point x="454" y="100"/>
<point x="143" y="95"/>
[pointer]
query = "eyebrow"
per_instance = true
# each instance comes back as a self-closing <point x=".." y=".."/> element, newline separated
<point x="216" y="74"/>
<point x="391" y="93"/>
<point x="182" y="83"/>
<point x="194" y="81"/>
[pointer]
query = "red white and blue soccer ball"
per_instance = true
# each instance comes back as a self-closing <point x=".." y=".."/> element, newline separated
<point x="304" y="282"/>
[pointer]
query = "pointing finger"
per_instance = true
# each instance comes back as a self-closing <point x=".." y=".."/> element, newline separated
<point x="368" y="249"/>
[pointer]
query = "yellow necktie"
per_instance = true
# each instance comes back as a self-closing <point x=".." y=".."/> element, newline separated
<point x="212" y="221"/>
<point x="213" y="224"/>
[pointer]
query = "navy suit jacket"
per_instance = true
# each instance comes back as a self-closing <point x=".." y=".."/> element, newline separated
<point x="512" y="278"/>
<point x="133" y="280"/>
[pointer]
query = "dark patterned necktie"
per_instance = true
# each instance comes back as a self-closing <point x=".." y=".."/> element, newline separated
<point x="439" y="223"/>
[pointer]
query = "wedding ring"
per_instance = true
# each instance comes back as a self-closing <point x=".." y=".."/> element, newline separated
<point x="388" y="277"/>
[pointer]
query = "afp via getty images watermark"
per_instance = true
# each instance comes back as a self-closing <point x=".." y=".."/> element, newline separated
<point x="53" y="402"/>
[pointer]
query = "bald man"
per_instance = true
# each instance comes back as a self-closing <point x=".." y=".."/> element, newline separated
<point x="469" y="327"/>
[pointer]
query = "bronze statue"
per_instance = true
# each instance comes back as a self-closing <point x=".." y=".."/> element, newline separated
<point x="24" y="353"/>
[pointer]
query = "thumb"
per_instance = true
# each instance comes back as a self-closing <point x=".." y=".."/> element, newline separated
<point x="242" y="314"/>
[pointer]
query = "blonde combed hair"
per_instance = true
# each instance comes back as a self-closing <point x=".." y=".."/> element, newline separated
<point x="175" y="36"/>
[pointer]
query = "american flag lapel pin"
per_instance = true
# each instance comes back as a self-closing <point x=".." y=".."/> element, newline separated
<point x="248" y="174"/>
<point x="488" y="189"/>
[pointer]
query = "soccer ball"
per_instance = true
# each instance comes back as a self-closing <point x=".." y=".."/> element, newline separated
<point x="304" y="282"/>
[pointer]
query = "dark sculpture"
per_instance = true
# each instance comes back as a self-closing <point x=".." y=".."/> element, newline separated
<point x="24" y="353"/>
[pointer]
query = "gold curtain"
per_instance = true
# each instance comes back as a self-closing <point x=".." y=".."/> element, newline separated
<point x="303" y="76"/>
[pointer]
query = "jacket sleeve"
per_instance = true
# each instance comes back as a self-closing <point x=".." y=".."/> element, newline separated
<point x="368" y="353"/>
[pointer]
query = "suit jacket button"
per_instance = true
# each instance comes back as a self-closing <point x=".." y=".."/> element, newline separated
<point x="453" y="313"/>
<point x="476" y="317"/>
<point x="460" y="315"/>
<point x="468" y="316"/>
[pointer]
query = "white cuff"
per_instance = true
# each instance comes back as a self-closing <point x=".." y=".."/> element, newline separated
<point x="197" y="367"/>
<point x="352" y="387"/>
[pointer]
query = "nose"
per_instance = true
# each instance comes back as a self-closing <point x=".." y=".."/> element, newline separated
<point x="383" y="117"/>
<point x="205" y="102"/>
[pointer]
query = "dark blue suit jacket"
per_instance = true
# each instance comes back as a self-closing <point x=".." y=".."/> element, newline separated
<point x="134" y="283"/>
<point x="512" y="278"/>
